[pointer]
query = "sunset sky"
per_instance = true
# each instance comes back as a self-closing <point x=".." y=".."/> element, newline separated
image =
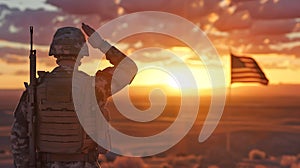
<point x="267" y="30"/>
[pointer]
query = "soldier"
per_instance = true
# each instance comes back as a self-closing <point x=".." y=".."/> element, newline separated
<point x="61" y="140"/>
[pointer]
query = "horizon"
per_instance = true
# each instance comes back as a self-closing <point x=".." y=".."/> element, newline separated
<point x="235" y="90"/>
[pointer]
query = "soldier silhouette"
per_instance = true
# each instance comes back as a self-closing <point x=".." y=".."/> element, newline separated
<point x="61" y="141"/>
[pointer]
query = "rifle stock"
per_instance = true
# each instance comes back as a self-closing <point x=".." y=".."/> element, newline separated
<point x="32" y="104"/>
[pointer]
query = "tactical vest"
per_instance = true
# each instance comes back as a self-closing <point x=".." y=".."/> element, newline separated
<point x="58" y="128"/>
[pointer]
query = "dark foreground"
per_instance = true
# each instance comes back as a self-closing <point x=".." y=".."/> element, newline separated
<point x="254" y="130"/>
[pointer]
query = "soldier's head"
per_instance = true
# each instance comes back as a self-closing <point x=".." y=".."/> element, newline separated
<point x="68" y="43"/>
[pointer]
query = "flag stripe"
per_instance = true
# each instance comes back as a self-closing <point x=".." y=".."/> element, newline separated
<point x="247" y="80"/>
<point x="244" y="70"/>
<point x="265" y="82"/>
<point x="246" y="76"/>
<point x="244" y="59"/>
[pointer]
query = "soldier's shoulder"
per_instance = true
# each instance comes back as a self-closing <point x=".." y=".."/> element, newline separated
<point x="42" y="75"/>
<point x="106" y="71"/>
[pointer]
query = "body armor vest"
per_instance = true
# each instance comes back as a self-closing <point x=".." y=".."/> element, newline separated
<point x="58" y="128"/>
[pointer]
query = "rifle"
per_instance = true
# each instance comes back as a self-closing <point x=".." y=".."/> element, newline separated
<point x="32" y="104"/>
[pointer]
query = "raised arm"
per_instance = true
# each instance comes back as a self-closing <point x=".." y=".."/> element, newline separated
<point x="111" y="79"/>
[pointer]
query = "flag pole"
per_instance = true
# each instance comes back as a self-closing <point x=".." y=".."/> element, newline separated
<point x="228" y="143"/>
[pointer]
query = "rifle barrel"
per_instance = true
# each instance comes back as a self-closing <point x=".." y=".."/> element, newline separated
<point x="32" y="103"/>
<point x="31" y="42"/>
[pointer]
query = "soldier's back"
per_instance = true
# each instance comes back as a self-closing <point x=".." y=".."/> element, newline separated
<point x="61" y="140"/>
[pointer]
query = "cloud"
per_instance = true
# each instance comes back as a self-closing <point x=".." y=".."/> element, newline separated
<point x="20" y="55"/>
<point x="266" y="49"/>
<point x="265" y="39"/>
<point x="152" y="56"/>
<point x="109" y="9"/>
<point x="292" y="51"/>
<point x="14" y="59"/>
<point x="238" y="20"/>
<point x="13" y="51"/>
<point x="281" y="9"/>
<point x="106" y="9"/>
<point x="247" y="22"/>
<point x="190" y="9"/>
<point x="145" y="40"/>
<point x="21" y="73"/>
<point x="137" y="5"/>
<point x="13" y="56"/>
<point x="281" y="26"/>
<point x="276" y="66"/>
<point x="243" y="38"/>
<point x="14" y="25"/>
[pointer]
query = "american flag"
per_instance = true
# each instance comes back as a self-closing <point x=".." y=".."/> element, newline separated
<point x="246" y="69"/>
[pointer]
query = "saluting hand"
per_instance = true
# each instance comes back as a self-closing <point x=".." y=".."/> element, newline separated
<point x="95" y="39"/>
<point x="87" y="29"/>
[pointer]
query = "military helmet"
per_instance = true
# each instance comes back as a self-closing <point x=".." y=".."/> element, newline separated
<point x="68" y="41"/>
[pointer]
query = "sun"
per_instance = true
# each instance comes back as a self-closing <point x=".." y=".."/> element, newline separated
<point x="173" y="84"/>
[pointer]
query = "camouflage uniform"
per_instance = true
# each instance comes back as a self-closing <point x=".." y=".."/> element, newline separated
<point x="19" y="133"/>
<point x="19" y="137"/>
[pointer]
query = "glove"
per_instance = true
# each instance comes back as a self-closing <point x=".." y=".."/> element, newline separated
<point x="95" y="39"/>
